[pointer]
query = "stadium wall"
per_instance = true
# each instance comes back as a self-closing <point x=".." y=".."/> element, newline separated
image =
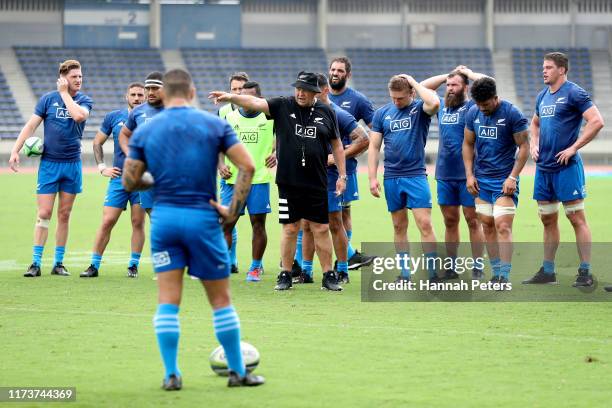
<point x="20" y="27"/>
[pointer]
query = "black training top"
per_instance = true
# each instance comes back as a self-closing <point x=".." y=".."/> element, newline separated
<point x="302" y="139"/>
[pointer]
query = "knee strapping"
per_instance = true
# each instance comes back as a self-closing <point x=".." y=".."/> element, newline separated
<point x="42" y="223"/>
<point x="546" y="209"/>
<point x="499" y="210"/>
<point x="570" y="209"/>
<point x="485" y="209"/>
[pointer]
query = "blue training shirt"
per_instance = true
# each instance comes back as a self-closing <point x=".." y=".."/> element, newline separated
<point x="180" y="147"/>
<point x="141" y="114"/>
<point x="62" y="134"/>
<point x="560" y="120"/>
<point x="451" y="122"/>
<point x="346" y="124"/>
<point x="112" y="124"/>
<point x="494" y="142"/>
<point x="360" y="107"/>
<point x="404" y="135"/>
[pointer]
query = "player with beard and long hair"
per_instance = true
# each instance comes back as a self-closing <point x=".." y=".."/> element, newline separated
<point x="450" y="172"/>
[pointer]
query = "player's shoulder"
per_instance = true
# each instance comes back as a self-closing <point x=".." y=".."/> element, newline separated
<point x="575" y="89"/>
<point x="51" y="95"/>
<point x="81" y="97"/>
<point x="355" y="94"/>
<point x="472" y="111"/>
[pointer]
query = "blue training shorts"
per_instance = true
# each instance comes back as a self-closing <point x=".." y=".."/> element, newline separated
<point x="59" y="176"/>
<point x="117" y="197"/>
<point x="564" y="185"/>
<point x="407" y="192"/>
<point x="189" y="237"/>
<point x="491" y="189"/>
<point x="454" y="192"/>
<point x="146" y="199"/>
<point x="258" y="200"/>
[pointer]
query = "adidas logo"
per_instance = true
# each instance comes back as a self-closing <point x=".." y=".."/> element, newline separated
<point x="575" y="192"/>
<point x="268" y="206"/>
<point x="56" y="104"/>
<point x="293" y="116"/>
<point x="355" y="194"/>
<point x="388" y="117"/>
<point x="477" y="120"/>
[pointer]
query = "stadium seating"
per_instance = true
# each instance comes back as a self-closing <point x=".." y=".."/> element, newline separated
<point x="106" y="72"/>
<point x="527" y="67"/>
<point x="372" y="68"/>
<point x="11" y="121"/>
<point x="274" y="69"/>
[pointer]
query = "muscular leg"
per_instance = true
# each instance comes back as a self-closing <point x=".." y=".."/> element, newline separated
<point x="323" y="244"/>
<point x="490" y="235"/>
<point x="338" y="233"/>
<point x="400" y="236"/>
<point x="45" y="203"/>
<point x="110" y="215"/>
<point x="450" y="213"/>
<point x="503" y="225"/>
<point x="582" y="231"/>
<point x="288" y="238"/>
<point x="308" y="248"/>
<point x="66" y="200"/>
<point x="422" y="218"/>
<point x="260" y="237"/>
<point x="138" y="230"/>
<point x="552" y="235"/>
<point x="475" y="229"/>
<point x="166" y="321"/>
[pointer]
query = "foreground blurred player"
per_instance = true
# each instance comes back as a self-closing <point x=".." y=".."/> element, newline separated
<point x="236" y="83"/>
<point x="352" y="131"/>
<point x="154" y="92"/>
<point x="360" y="108"/>
<point x="256" y="132"/>
<point x="180" y="149"/>
<point x="116" y="197"/>
<point x="64" y="113"/>
<point x="450" y="172"/>
<point x="305" y="128"/>
<point x="494" y="128"/>
<point x="403" y="124"/>
<point x="555" y="142"/>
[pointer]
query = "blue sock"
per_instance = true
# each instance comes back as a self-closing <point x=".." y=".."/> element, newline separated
<point x="405" y="268"/>
<point x="233" y="259"/>
<point x="37" y="251"/>
<point x="298" y="248"/>
<point x="255" y="263"/>
<point x="586" y="265"/>
<point x="307" y="267"/>
<point x="351" y="251"/>
<point x="96" y="260"/>
<point x="59" y="254"/>
<point x="343" y="266"/>
<point x="495" y="266"/>
<point x="430" y="261"/>
<point x="134" y="259"/>
<point x="227" y="330"/>
<point x="549" y="267"/>
<point x="167" y="330"/>
<point x="504" y="269"/>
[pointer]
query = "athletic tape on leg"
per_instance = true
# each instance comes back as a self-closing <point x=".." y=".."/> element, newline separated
<point x="546" y="209"/>
<point x="42" y="223"/>
<point x="499" y="210"/>
<point x="485" y="209"/>
<point x="570" y="209"/>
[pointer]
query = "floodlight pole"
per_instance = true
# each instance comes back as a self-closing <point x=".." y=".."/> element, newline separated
<point x="490" y="24"/>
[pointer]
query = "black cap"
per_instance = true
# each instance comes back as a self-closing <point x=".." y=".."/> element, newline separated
<point x="307" y="81"/>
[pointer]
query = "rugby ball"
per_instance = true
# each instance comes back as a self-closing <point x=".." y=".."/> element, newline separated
<point x="33" y="146"/>
<point x="218" y="362"/>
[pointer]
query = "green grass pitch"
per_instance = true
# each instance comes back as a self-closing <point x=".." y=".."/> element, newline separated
<point x="318" y="349"/>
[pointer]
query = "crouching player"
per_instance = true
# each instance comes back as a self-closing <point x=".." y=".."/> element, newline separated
<point x="180" y="148"/>
<point x="494" y="128"/>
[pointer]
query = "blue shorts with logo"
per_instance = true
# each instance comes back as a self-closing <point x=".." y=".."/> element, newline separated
<point x="351" y="193"/>
<point x="146" y="199"/>
<point x="454" y="192"/>
<point x="565" y="185"/>
<point x="189" y="237"/>
<point x="491" y="189"/>
<point x="117" y="197"/>
<point x="407" y="192"/>
<point x="258" y="200"/>
<point x="59" y="176"/>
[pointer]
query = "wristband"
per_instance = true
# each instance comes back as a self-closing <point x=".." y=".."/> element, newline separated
<point x="101" y="167"/>
<point x="343" y="177"/>
<point x="511" y="177"/>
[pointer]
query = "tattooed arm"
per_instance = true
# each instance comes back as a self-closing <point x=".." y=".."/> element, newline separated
<point x="241" y="158"/>
<point x="134" y="176"/>
<point x="112" y="172"/>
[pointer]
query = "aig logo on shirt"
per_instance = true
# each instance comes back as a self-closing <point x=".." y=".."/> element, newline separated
<point x="450" y="118"/>
<point x="547" y="111"/>
<point x="308" y="131"/>
<point x="487" y="132"/>
<point x="400" y="124"/>
<point x="249" y="137"/>
<point x="62" y="113"/>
